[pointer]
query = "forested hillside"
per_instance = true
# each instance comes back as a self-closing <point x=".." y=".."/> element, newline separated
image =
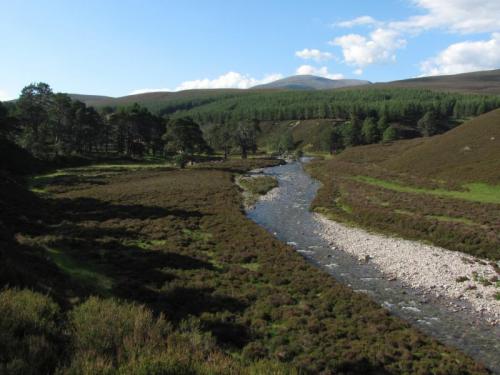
<point x="52" y="125"/>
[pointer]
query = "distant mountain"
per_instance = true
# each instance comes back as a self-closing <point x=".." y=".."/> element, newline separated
<point x="309" y="82"/>
<point x="484" y="82"/>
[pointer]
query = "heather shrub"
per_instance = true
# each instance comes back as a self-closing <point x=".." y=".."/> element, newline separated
<point x="109" y="333"/>
<point x="30" y="335"/>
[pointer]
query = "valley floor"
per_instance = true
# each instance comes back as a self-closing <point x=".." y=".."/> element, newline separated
<point x="178" y="242"/>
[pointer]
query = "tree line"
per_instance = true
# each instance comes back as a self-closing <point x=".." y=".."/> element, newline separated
<point x="52" y="125"/>
<point x="395" y="104"/>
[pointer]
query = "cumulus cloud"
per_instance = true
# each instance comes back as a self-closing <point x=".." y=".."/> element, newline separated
<point x="228" y="80"/>
<point x="358" y="72"/>
<point x="454" y="16"/>
<point x="462" y="16"/>
<point x="144" y="91"/>
<point x="359" y="21"/>
<point x="313" y="54"/>
<point x="322" y="72"/>
<point x="465" y="57"/>
<point x="4" y="96"/>
<point x="378" y="47"/>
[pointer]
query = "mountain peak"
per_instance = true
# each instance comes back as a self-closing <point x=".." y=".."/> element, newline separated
<point x="310" y="82"/>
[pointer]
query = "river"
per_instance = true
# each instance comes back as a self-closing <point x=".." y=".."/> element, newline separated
<point x="287" y="216"/>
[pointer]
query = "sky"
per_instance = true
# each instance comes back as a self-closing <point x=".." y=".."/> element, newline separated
<point x="120" y="47"/>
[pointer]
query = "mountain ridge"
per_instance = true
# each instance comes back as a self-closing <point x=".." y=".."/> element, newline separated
<point x="481" y="82"/>
<point x="310" y="82"/>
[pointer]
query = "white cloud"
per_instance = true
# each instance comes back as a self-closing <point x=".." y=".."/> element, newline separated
<point x="454" y="16"/>
<point x="464" y="57"/>
<point x="228" y="80"/>
<point x="144" y="91"/>
<point x="462" y="16"/>
<point x="358" y="71"/>
<point x="379" y="47"/>
<point x="322" y="72"/>
<point x="313" y="54"/>
<point x="359" y="21"/>
<point x="4" y="96"/>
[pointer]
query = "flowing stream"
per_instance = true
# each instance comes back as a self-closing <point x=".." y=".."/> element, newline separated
<point x="287" y="216"/>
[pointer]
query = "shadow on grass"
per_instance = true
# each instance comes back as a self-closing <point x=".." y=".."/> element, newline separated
<point x="66" y="256"/>
<point x="82" y="209"/>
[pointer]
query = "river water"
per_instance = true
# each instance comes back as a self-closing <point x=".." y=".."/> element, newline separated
<point x="287" y="216"/>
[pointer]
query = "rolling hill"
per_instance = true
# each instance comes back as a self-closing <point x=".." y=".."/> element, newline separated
<point x="469" y="152"/>
<point x="310" y="82"/>
<point x="484" y="82"/>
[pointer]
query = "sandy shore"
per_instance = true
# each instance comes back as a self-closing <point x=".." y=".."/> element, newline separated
<point x="436" y="272"/>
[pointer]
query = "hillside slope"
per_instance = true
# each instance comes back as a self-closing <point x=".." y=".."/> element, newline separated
<point x="484" y="82"/>
<point x="470" y="152"/>
<point x="443" y="189"/>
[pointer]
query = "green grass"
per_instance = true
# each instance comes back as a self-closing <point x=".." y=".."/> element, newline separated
<point x="84" y="273"/>
<point x="197" y="235"/>
<point x="451" y="219"/>
<point x="475" y="192"/>
<point x="145" y="244"/>
<point x="251" y="266"/>
<point x="259" y="185"/>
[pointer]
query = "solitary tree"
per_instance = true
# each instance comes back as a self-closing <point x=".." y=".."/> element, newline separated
<point x="184" y="136"/>
<point x="369" y="131"/>
<point x="221" y="137"/>
<point x="428" y="124"/>
<point x="285" y="142"/>
<point x="351" y="131"/>
<point x="331" y="140"/>
<point x="7" y="122"/>
<point x="390" y="134"/>
<point x="246" y="136"/>
<point x="33" y="106"/>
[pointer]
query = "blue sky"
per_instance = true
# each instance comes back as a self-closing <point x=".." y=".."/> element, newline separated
<point x="119" y="47"/>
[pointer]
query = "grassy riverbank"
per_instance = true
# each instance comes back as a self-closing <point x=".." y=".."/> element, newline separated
<point x="444" y="189"/>
<point x="178" y="243"/>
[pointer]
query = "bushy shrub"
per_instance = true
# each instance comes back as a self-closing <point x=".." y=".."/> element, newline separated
<point x="30" y="335"/>
<point x="109" y="332"/>
<point x="180" y="160"/>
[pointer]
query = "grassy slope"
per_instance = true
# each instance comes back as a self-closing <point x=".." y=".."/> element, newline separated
<point x="470" y="152"/>
<point x="443" y="189"/>
<point x="178" y="242"/>
<point x="483" y="82"/>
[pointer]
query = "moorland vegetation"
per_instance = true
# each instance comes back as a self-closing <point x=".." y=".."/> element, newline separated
<point x="153" y="269"/>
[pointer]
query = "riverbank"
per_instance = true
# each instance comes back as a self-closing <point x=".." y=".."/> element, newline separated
<point x="464" y="281"/>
